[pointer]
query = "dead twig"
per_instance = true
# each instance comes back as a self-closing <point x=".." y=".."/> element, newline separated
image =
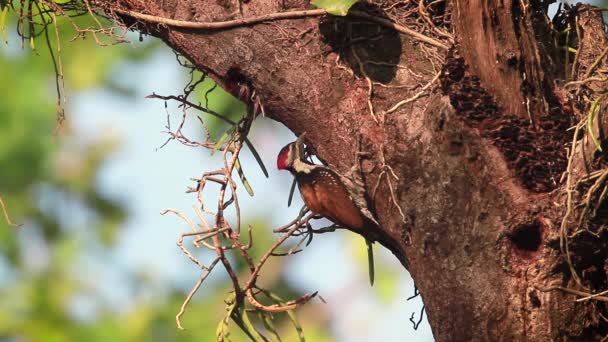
<point x="583" y="294"/>
<point x="198" y="284"/>
<point x="290" y="305"/>
<point x="6" y="216"/>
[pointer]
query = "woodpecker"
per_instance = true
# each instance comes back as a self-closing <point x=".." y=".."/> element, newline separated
<point x="331" y="195"/>
<point x="240" y="87"/>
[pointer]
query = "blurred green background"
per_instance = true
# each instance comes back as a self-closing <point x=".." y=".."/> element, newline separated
<point x="94" y="260"/>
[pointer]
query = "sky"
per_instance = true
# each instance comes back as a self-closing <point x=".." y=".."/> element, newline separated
<point x="146" y="179"/>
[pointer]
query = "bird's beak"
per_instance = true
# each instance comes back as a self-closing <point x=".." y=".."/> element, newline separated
<point x="300" y="145"/>
<point x="244" y="93"/>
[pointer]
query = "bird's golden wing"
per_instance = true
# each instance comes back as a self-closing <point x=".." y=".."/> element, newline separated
<point x="333" y="200"/>
<point x="307" y="190"/>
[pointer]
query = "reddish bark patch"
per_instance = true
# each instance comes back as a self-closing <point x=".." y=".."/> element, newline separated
<point x="533" y="150"/>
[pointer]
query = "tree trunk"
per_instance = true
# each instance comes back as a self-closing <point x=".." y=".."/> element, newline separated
<point x="469" y="167"/>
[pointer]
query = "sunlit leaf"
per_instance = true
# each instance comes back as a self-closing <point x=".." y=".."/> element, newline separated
<point x="3" y="23"/>
<point x="335" y="7"/>
<point x="223" y="332"/>
<point x="370" y="261"/>
<point x="250" y="329"/>
<point x="257" y="157"/>
<point x="222" y="140"/>
<point x="292" y="316"/>
<point x="268" y="322"/>
<point x="239" y="170"/>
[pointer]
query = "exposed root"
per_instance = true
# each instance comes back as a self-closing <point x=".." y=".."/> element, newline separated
<point x="563" y="238"/>
<point x="415" y="97"/>
<point x="274" y="16"/>
<point x="388" y="172"/>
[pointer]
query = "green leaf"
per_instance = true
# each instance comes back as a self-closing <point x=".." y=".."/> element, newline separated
<point x="335" y="7"/>
<point x="3" y="23"/>
<point x="223" y="332"/>
<point x="296" y="324"/>
<point x="222" y="139"/>
<point x="267" y="319"/>
<point x="293" y="188"/>
<point x="239" y="170"/>
<point x="291" y="314"/>
<point x="257" y="157"/>
<point x="250" y="328"/>
<point x="590" y="118"/>
<point x="370" y="261"/>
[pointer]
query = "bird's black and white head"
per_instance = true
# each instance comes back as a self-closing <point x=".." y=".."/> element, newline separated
<point x="291" y="157"/>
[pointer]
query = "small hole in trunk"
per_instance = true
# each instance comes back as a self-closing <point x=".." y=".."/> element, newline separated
<point x="527" y="236"/>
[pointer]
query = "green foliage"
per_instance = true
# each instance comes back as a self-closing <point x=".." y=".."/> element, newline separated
<point x="257" y="157"/>
<point x="370" y="261"/>
<point x="335" y="7"/>
<point x="225" y="112"/>
<point x="33" y="156"/>
<point x="4" y="4"/>
<point x="39" y="164"/>
<point x="3" y="15"/>
<point x="239" y="170"/>
<point x="292" y="317"/>
<point x="213" y="97"/>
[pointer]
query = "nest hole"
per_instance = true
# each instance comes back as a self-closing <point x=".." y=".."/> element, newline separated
<point x="527" y="237"/>
<point x="368" y="48"/>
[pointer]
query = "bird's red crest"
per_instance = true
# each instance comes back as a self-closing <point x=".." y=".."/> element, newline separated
<point x="282" y="159"/>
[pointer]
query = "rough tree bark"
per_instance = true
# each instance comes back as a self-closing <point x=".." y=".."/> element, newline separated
<point x="474" y="160"/>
